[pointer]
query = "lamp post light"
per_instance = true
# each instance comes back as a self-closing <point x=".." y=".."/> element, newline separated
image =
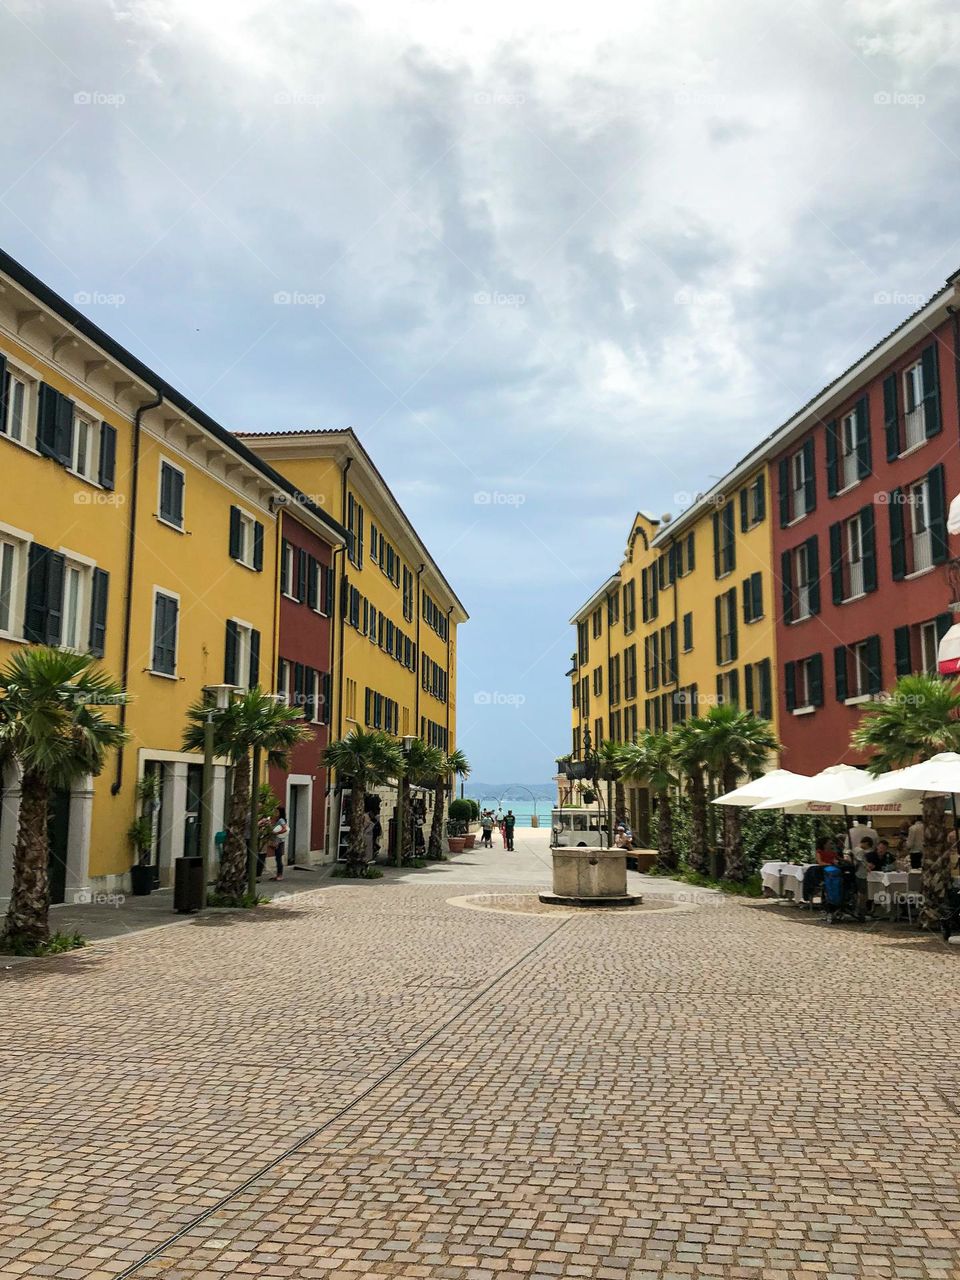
<point x="218" y="697"/>
<point x="406" y="743"/>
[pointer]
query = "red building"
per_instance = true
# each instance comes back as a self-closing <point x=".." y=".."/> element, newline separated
<point x="862" y="478"/>
<point x="305" y="638"/>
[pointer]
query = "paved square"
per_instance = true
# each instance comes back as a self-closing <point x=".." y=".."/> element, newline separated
<point x="368" y="1081"/>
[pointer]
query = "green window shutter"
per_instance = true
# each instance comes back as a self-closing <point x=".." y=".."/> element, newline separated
<point x="235" y="533"/>
<point x="937" y="513"/>
<point x="813" y="568"/>
<point x="717" y="624"/>
<point x="254" y="658"/>
<point x="313" y="582"/>
<point x="833" y="469"/>
<point x="329" y="592"/>
<point x="98" y="612"/>
<point x="716" y="544"/>
<point x="258" y="546"/>
<point x="231" y="674"/>
<point x="107" y="469"/>
<point x="902" y="659"/>
<point x="47" y="421"/>
<point x="816" y="680"/>
<point x="4" y="387"/>
<point x="840" y="671"/>
<point x="747" y="600"/>
<point x="868" y="539"/>
<point x="730" y="545"/>
<point x="63" y="429"/>
<point x="165" y="614"/>
<point x="44" y="606"/>
<point x="691" y="545"/>
<point x="748" y="687"/>
<point x="719" y="689"/>
<point x="766" y="692"/>
<point x="874" y="667"/>
<point x="300" y="587"/>
<point x="931" y="391"/>
<point x="786" y="578"/>
<point x="285" y="563"/>
<point x="891" y="416"/>
<point x="757" y="591"/>
<point x="810" y="483"/>
<point x="783" y="485"/>
<point x="790" y="685"/>
<point x="325" y="698"/>
<point x="732" y="615"/>
<point x="836" y="562"/>
<point x="864" y="449"/>
<point x="744" y="514"/>
<point x="944" y="622"/>
<point x="735" y="687"/>
<point x="898" y="547"/>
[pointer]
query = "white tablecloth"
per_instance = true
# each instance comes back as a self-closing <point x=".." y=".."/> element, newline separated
<point x="784" y="877"/>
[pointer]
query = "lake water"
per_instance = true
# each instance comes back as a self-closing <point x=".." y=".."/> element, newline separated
<point x="523" y="809"/>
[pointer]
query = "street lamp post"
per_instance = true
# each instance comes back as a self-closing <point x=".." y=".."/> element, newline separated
<point x="219" y="696"/>
<point x="405" y="744"/>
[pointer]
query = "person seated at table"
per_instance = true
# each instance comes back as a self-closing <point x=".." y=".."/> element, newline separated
<point x="868" y="856"/>
<point x="623" y="838"/>
<point x="884" y="854"/>
<point x="826" y="852"/>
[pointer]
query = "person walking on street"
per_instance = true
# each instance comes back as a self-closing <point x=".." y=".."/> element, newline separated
<point x="486" y="826"/>
<point x="509" y="822"/>
<point x="277" y="838"/>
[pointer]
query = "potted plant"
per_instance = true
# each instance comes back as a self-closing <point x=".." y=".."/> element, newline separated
<point x="577" y="769"/>
<point x="458" y="824"/>
<point x="140" y="835"/>
<point x="589" y="796"/>
<point x="563" y="763"/>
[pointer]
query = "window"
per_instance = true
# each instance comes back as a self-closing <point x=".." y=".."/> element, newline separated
<point x="613" y="677"/>
<point x="724" y="548"/>
<point x="753" y="503"/>
<point x="14" y="404"/>
<point x="651" y="662"/>
<point x="629" y="607"/>
<point x="725" y="608"/>
<point x="929" y="646"/>
<point x="613" y="608"/>
<point x="630" y="724"/>
<point x="857" y="669"/>
<point x="687" y="632"/>
<point x="616" y="726"/>
<point x="354" y="531"/>
<point x="241" y="666"/>
<point x="583" y="644"/>
<point x="66" y="599"/>
<point x="728" y="687"/>
<point x="668" y="653"/>
<point x="797" y="484"/>
<point x="85" y="450"/>
<point x="73" y="604"/>
<point x="246" y="546"/>
<point x="171" y="495"/>
<point x="803" y="683"/>
<point x="918" y="532"/>
<point x="407" y="593"/>
<point x="649" y="593"/>
<point x="685" y="703"/>
<point x="757" y="689"/>
<point x="853" y="556"/>
<point x="597" y="622"/>
<point x="921" y="643"/>
<point x="585" y="696"/>
<point x="576" y="695"/>
<point x="630" y="672"/>
<point x="166" y="611"/>
<point x="434" y="617"/>
<point x="753" y="597"/>
<point x="286" y="568"/>
<point x="54" y="425"/>
<point x="916" y="390"/>
<point x="800" y="576"/>
<point x="597" y="681"/>
<point x="597" y="732"/>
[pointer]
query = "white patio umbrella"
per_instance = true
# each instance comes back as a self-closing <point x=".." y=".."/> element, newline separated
<point x="825" y="793"/>
<point x="766" y="787"/>
<point x="902" y="790"/>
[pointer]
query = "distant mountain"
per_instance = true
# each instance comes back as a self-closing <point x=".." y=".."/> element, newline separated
<point x="516" y="790"/>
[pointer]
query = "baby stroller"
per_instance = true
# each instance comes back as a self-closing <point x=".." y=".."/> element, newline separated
<point x="839" y="894"/>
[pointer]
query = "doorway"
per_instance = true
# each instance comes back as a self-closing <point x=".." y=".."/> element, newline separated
<point x="299" y="820"/>
<point x="191" y="816"/>
<point x="58" y="840"/>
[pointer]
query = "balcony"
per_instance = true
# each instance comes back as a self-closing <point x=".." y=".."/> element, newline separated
<point x="848" y="470"/>
<point x="855" y="579"/>
<point x="914" y="428"/>
<point x="922" y="546"/>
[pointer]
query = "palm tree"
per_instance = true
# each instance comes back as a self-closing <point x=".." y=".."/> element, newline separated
<point x="54" y="727"/>
<point x="691" y="757"/>
<point x="919" y="718"/>
<point x="453" y="764"/>
<point x="736" y="743"/>
<point x="255" y="720"/>
<point x="421" y="765"/>
<point x="609" y="756"/>
<point x="650" y="760"/>
<point x="364" y="758"/>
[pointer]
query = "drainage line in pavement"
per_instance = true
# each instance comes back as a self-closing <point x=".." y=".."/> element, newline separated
<point x="297" y="1146"/>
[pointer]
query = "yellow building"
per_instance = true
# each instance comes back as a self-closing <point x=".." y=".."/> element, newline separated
<point x="396" y="645"/>
<point x="135" y="527"/>
<point x="686" y="622"/>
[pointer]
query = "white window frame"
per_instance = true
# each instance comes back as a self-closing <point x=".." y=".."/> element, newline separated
<point x="85" y="467"/>
<point x="929" y="646"/>
<point x="860" y="670"/>
<point x="174" y="466"/>
<point x="914" y="413"/>
<point x="20" y="542"/>
<point x="848" y="451"/>
<point x="27" y="436"/>
<point x="802" y="679"/>
<point x="83" y="567"/>
<point x="802" y="588"/>
<point x="172" y="595"/>
<point x="245" y="632"/>
<point x="921" y="540"/>
<point x="247" y="525"/>
<point x="798" y="486"/>
<point x="286" y="568"/>
<point x="853" y="554"/>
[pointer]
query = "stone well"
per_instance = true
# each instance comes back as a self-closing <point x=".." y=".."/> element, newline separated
<point x="590" y="877"/>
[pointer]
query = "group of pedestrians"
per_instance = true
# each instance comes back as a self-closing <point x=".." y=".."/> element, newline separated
<point x="504" y="823"/>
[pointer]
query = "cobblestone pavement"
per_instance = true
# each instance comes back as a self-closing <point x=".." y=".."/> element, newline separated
<point x="367" y="1081"/>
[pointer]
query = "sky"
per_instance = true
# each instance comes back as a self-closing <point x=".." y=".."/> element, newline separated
<point x="553" y="262"/>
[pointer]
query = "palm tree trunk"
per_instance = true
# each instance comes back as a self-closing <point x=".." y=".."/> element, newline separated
<point x="232" y="880"/>
<point x="435" y="850"/>
<point x="666" y="853"/>
<point x="27" y="914"/>
<point x="620" y="802"/>
<point x="937" y="877"/>
<point x="698" y="859"/>
<point x="734" y="857"/>
<point x="405" y="835"/>
<point x="356" y="844"/>
<point x="611" y="825"/>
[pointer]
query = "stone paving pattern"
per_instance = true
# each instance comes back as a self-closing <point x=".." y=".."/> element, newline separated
<point x="366" y="1081"/>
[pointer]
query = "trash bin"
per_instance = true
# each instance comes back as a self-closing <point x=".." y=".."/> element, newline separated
<point x="534" y="820"/>
<point x="188" y="884"/>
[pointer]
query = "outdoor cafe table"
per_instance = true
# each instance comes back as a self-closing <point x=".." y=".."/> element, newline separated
<point x="783" y="877"/>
